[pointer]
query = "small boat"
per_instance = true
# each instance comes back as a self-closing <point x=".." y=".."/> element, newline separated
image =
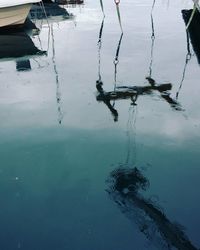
<point x="14" y="12"/>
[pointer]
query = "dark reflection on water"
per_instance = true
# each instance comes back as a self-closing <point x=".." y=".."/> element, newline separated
<point x="124" y="186"/>
<point x="51" y="10"/>
<point x="193" y="30"/>
<point x="17" y="44"/>
<point x="133" y="92"/>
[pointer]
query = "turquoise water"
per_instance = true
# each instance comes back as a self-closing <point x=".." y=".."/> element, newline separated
<point x="59" y="146"/>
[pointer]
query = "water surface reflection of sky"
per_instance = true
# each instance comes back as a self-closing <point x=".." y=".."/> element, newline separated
<point x="53" y="176"/>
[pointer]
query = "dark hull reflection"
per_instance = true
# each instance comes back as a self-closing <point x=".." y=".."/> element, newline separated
<point x="63" y="2"/>
<point x="124" y="186"/>
<point x="70" y="2"/>
<point x="52" y="10"/>
<point x="193" y="30"/>
<point x="17" y="44"/>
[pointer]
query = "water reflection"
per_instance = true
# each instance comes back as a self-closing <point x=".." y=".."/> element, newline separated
<point x="131" y="92"/>
<point x="126" y="181"/>
<point x="18" y="46"/>
<point x="58" y="92"/>
<point x="49" y="12"/>
<point x="187" y="59"/>
<point x="152" y="39"/>
<point x="192" y="23"/>
<point x="125" y="185"/>
<point x="193" y="30"/>
<point x="71" y="2"/>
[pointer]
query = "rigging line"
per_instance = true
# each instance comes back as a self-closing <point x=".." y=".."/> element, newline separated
<point x="195" y="7"/>
<point x="116" y="60"/>
<point x="99" y="48"/>
<point x="152" y="39"/>
<point x="102" y="7"/>
<point x="117" y="2"/>
<point x="46" y="17"/>
<point x="45" y="13"/>
<point x="58" y="93"/>
<point x="187" y="59"/>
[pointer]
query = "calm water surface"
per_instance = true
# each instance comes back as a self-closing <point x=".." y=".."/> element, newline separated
<point x="59" y="146"/>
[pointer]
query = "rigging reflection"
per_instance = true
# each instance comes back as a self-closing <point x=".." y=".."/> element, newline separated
<point x="52" y="13"/>
<point x="187" y="59"/>
<point x="127" y="181"/>
<point x="58" y="91"/>
<point x="133" y="92"/>
<point x="109" y="98"/>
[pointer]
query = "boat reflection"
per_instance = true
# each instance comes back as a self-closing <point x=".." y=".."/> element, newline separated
<point x="124" y="189"/>
<point x="193" y="29"/>
<point x="49" y="12"/>
<point x="18" y="46"/>
<point x="71" y="2"/>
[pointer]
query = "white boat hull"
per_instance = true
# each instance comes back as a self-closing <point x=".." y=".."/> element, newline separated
<point x="14" y="15"/>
